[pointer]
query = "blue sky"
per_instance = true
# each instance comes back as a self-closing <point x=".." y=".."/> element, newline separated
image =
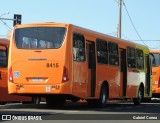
<point x="97" y="15"/>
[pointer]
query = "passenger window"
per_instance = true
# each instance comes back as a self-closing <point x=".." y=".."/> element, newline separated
<point x="139" y="59"/>
<point x="78" y="47"/>
<point x="155" y="58"/>
<point x="102" y="51"/>
<point x="113" y="54"/>
<point x="3" y="57"/>
<point x="131" y="57"/>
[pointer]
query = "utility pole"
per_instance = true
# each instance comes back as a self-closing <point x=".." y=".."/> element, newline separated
<point x="120" y="19"/>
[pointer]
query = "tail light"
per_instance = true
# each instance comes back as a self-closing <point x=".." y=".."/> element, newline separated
<point x="65" y="77"/>
<point x="159" y="83"/>
<point x="10" y="75"/>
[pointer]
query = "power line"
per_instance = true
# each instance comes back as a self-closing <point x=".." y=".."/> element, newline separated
<point x="4" y="23"/>
<point x="133" y="23"/>
<point x="125" y="37"/>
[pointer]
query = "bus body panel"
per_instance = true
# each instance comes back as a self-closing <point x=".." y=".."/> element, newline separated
<point x="155" y="79"/>
<point x="4" y="96"/>
<point x="155" y="73"/>
<point x="38" y="67"/>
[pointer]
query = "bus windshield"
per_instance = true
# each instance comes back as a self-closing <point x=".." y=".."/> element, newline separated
<point x="39" y="37"/>
<point x="155" y="60"/>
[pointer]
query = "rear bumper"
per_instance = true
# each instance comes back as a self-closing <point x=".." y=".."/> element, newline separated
<point x="63" y="88"/>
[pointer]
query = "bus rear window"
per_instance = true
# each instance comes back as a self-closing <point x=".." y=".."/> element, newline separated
<point x="39" y="37"/>
<point x="155" y="60"/>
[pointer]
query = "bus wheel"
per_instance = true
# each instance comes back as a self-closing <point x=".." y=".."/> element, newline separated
<point x="103" y="96"/>
<point x="36" y="100"/>
<point x="101" y="102"/>
<point x="138" y="100"/>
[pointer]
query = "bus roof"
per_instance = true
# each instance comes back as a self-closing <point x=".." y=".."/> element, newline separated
<point x="4" y="41"/>
<point x="80" y="28"/>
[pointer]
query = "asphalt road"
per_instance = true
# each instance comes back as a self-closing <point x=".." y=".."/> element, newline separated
<point x="76" y="112"/>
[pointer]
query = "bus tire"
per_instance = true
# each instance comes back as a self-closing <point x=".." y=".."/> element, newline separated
<point x="101" y="102"/>
<point x="36" y="100"/>
<point x="103" y="96"/>
<point x="3" y="103"/>
<point x="138" y="100"/>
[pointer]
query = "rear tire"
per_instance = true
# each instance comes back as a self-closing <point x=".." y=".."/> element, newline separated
<point x="103" y="96"/>
<point x="138" y="100"/>
<point x="36" y="100"/>
<point x="3" y="103"/>
<point x="101" y="102"/>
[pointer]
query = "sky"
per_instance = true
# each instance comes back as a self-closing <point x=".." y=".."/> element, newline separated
<point x="97" y="15"/>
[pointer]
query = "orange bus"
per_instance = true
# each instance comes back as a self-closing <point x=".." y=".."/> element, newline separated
<point x="4" y="96"/>
<point x="63" y="61"/>
<point x="155" y="73"/>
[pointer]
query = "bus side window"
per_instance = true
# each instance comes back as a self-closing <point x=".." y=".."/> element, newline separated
<point x="155" y="59"/>
<point x="3" y="57"/>
<point x="113" y="54"/>
<point x="131" y="57"/>
<point x="102" y="51"/>
<point x="139" y="59"/>
<point x="78" y="47"/>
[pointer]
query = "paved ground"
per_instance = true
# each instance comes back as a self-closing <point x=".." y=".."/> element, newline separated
<point x="118" y="111"/>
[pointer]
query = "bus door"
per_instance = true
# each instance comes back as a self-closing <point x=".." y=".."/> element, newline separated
<point x="123" y="73"/>
<point x="91" y="58"/>
<point x="80" y="66"/>
<point x="148" y="75"/>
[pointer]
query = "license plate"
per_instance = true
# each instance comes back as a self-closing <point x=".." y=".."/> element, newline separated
<point x="37" y="79"/>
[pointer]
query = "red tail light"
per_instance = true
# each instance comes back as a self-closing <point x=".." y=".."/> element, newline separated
<point x="65" y="77"/>
<point x="10" y="75"/>
<point x="159" y="83"/>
